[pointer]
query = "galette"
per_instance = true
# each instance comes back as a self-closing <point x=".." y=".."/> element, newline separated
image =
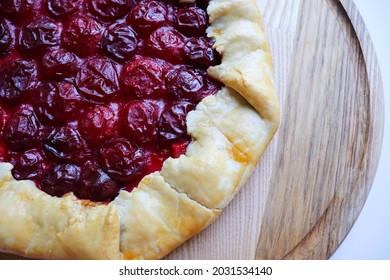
<point x="126" y="126"/>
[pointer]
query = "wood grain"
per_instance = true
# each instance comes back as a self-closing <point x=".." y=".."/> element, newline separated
<point x="338" y="89"/>
<point x="313" y="180"/>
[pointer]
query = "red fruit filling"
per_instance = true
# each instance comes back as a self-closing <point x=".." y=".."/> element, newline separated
<point x="17" y="77"/>
<point x="99" y="123"/>
<point x="98" y="79"/>
<point x="199" y="51"/>
<point x="31" y="164"/>
<point x="94" y="94"/>
<point x="22" y="130"/>
<point x="120" y="42"/>
<point x="172" y="124"/>
<point x="110" y="9"/>
<point x="166" y="43"/>
<point x="59" y="8"/>
<point x="61" y="179"/>
<point x="123" y="160"/>
<point x="82" y="35"/>
<point x="148" y="16"/>
<point x="191" y="21"/>
<point x="59" y="63"/>
<point x="16" y="9"/>
<point x="96" y="185"/>
<point x="140" y="121"/>
<point x="143" y="77"/>
<point x="38" y="36"/>
<point x="6" y="38"/>
<point x="56" y="102"/>
<point x="66" y="144"/>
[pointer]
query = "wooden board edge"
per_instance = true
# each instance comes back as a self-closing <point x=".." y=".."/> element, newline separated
<point x="310" y="246"/>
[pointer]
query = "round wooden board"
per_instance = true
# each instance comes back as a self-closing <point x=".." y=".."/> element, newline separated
<point x="315" y="177"/>
<point x="313" y="180"/>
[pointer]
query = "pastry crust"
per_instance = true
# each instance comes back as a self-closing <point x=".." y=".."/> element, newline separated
<point x="246" y="59"/>
<point x="156" y="219"/>
<point x="169" y="207"/>
<point x="37" y="225"/>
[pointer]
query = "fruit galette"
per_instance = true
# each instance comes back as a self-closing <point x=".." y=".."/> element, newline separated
<point x="127" y="125"/>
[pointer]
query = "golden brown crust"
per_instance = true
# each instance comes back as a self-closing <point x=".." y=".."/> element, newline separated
<point x="155" y="219"/>
<point x="230" y="132"/>
<point x="37" y="225"/>
<point x="246" y="59"/>
<point x="212" y="168"/>
<point x="231" y="129"/>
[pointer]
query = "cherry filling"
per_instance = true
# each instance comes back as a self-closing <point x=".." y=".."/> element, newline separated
<point x="94" y="94"/>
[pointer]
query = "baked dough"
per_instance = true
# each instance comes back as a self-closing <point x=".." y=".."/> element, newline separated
<point x="169" y="207"/>
<point x="37" y="225"/>
<point x="156" y="219"/>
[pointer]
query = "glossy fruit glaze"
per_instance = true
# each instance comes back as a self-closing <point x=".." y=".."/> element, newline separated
<point x="94" y="94"/>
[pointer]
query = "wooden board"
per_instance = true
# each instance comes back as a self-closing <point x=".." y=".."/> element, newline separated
<point x="315" y="177"/>
<point x="313" y="180"/>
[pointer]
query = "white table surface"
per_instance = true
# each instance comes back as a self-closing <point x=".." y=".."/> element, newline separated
<point x="369" y="238"/>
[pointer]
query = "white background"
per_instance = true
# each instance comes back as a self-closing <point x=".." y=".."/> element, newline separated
<point x="370" y="236"/>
